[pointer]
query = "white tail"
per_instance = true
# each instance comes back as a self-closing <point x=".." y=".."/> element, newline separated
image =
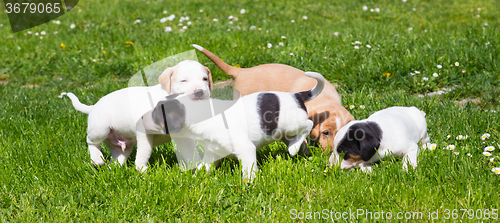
<point x="319" y="86"/>
<point x="78" y="105"/>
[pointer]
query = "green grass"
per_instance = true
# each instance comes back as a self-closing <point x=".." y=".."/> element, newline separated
<point x="46" y="173"/>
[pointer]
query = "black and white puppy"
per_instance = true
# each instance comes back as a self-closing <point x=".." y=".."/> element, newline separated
<point x="393" y="131"/>
<point x="239" y="127"/>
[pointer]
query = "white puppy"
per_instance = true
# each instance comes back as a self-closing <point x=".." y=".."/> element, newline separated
<point x="392" y="131"/>
<point x="116" y="117"/>
<point x="239" y="127"/>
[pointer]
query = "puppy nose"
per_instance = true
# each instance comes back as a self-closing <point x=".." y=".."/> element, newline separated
<point x="198" y="93"/>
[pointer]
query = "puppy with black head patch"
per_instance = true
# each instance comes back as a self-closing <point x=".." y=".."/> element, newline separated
<point x="393" y="131"/>
<point x="239" y="127"/>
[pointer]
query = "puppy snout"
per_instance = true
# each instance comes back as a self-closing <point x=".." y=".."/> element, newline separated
<point x="198" y="93"/>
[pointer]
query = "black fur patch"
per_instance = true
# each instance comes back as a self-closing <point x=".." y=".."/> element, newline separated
<point x="304" y="95"/>
<point x="300" y="101"/>
<point x="268" y="105"/>
<point x="362" y="139"/>
<point x="170" y="115"/>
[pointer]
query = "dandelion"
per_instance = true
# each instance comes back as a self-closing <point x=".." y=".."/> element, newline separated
<point x="72" y="26"/>
<point x="292" y="21"/>
<point x="304" y="17"/>
<point x="425" y="78"/>
<point x="435" y="74"/>
<point x="281" y="44"/>
<point x="283" y="37"/>
<point x="365" y="8"/>
<point x="237" y="66"/>
<point x="432" y="146"/>
<point x="269" y="45"/>
<point x="456" y="153"/>
<point x="242" y="11"/>
<point x="463" y="70"/>
<point x="368" y="46"/>
<point x="63" y="45"/>
<point x="351" y="106"/>
<point x="163" y="20"/>
<point x="362" y="106"/>
<point x="137" y="21"/>
<point x="336" y="33"/>
<point x="492" y="160"/>
<point x="104" y="52"/>
<point x="356" y="47"/>
<point x="489" y="148"/>
<point x="450" y="147"/>
<point x="215" y="20"/>
<point x="460" y="137"/>
<point x="168" y="29"/>
<point x="496" y="170"/>
<point x="439" y="66"/>
<point x="386" y="74"/>
<point x="485" y="136"/>
<point x="457" y="64"/>
<point x="417" y="72"/>
<point x="29" y="32"/>
<point x="486" y="153"/>
<point x="129" y="43"/>
<point x="377" y="10"/>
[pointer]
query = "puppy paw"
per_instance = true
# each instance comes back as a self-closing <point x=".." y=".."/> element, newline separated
<point x="141" y="169"/>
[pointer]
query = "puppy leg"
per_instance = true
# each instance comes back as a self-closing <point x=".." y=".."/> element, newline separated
<point x="118" y="154"/>
<point x="248" y="157"/>
<point x="411" y="157"/>
<point x="365" y="167"/>
<point x="144" y="149"/>
<point x="295" y="143"/>
<point x="94" y="145"/>
<point x="425" y="141"/>
<point x="208" y="161"/>
<point x="187" y="153"/>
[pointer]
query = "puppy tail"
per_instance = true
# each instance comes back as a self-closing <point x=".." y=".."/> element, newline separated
<point x="226" y="68"/>
<point x="78" y="105"/>
<point x="313" y="93"/>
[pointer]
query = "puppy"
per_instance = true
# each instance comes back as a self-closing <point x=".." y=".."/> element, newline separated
<point x="116" y="118"/>
<point x="393" y="131"/>
<point x="326" y="111"/>
<point x="240" y="127"/>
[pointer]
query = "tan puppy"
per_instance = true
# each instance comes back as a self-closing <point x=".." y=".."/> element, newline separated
<point x="326" y="110"/>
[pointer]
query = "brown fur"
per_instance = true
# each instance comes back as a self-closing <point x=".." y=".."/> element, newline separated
<point x="323" y="110"/>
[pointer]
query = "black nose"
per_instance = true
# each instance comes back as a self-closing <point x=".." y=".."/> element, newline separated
<point x="198" y="93"/>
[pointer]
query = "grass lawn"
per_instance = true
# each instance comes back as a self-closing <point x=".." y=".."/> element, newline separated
<point x="405" y="49"/>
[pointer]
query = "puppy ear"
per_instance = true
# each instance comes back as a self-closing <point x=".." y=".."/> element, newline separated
<point x="170" y="115"/>
<point x="165" y="78"/>
<point x="317" y="119"/>
<point x="371" y="140"/>
<point x="210" y="83"/>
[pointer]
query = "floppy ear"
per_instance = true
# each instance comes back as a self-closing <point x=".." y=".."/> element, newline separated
<point x="210" y="83"/>
<point x="371" y="140"/>
<point x="317" y="119"/>
<point x="170" y="115"/>
<point x="165" y="78"/>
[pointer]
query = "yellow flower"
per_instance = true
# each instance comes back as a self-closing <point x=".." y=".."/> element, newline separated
<point x="104" y="51"/>
<point x="129" y="43"/>
<point x="387" y="74"/>
<point x="237" y="66"/>
<point x="63" y="45"/>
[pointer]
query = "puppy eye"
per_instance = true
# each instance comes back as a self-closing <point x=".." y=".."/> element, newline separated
<point x="184" y="81"/>
<point x="326" y="133"/>
<point x="205" y="79"/>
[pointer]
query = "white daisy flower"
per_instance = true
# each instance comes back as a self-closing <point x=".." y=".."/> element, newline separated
<point x="460" y="137"/>
<point x="29" y="32"/>
<point x="448" y="136"/>
<point x="425" y="78"/>
<point x="365" y="8"/>
<point x="163" y="20"/>
<point x="362" y="106"/>
<point x="253" y="27"/>
<point x="412" y="74"/>
<point x="485" y="24"/>
<point x="41" y="37"/>
<point x="215" y="20"/>
<point x="435" y="74"/>
<point x="469" y="155"/>
<point x="414" y="9"/>
<point x="357" y="42"/>
<point x="269" y="45"/>
<point x="36" y="34"/>
<point x="423" y="113"/>
<point x="336" y="33"/>
<point x="165" y="11"/>
<point x="492" y="160"/>
<point x="377" y="10"/>
<point x="410" y="29"/>
<point x="304" y="17"/>
<point x="486" y="153"/>
<point x="351" y="106"/>
<point x="291" y="54"/>
<point x="485" y="136"/>
<point x="242" y="11"/>
<point x="189" y="23"/>
<point x="496" y="170"/>
<point x="368" y="46"/>
<point x="489" y="148"/>
<point x="371" y="10"/>
<point x="137" y="21"/>
<point x="55" y="32"/>
<point x="171" y="17"/>
<point x="201" y="10"/>
<point x="432" y="146"/>
<point x="184" y="27"/>
<point x="281" y="44"/>
<point x="94" y="60"/>
<point x="356" y="47"/>
<point x="456" y="153"/>
<point x="292" y="21"/>
<point x="230" y="17"/>
<point x="231" y="22"/>
<point x="457" y="64"/>
<point x="417" y="72"/>
<point x="404" y="0"/>
<point x="439" y="66"/>
<point x="58" y="22"/>
<point x="450" y="147"/>
<point x="283" y="37"/>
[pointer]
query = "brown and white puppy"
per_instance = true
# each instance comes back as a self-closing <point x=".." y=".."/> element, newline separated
<point x="326" y="110"/>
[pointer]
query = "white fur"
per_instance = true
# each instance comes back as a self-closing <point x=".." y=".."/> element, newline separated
<point x="116" y="117"/>
<point x="402" y="129"/>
